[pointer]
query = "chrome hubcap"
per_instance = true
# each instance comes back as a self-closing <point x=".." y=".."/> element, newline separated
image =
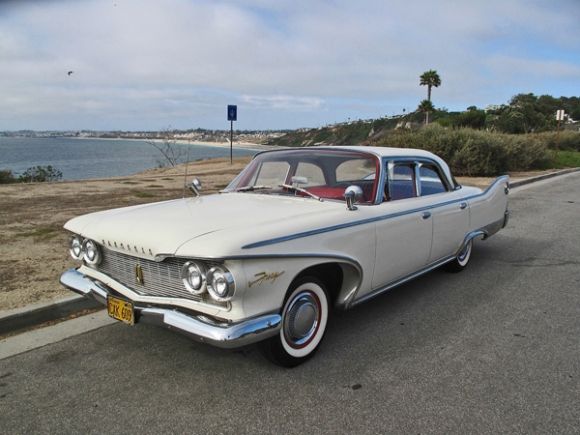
<point x="301" y="319"/>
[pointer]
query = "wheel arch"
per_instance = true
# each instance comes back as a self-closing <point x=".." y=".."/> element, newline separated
<point x="341" y="278"/>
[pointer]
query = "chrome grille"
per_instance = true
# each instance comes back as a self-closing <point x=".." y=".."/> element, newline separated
<point x="160" y="278"/>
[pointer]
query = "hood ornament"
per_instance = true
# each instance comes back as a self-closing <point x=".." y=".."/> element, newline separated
<point x="195" y="186"/>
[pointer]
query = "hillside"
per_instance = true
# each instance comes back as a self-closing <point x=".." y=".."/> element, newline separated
<point x="348" y="133"/>
<point x="524" y="113"/>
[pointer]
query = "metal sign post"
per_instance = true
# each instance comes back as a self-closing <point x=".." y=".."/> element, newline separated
<point x="232" y="116"/>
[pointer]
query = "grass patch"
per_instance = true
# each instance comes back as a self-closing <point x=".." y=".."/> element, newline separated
<point x="129" y="182"/>
<point x="42" y="233"/>
<point x="168" y="178"/>
<point x="154" y="185"/>
<point x="565" y="159"/>
<point x="144" y="194"/>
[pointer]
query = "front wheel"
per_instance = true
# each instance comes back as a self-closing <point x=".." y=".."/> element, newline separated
<point x="460" y="262"/>
<point x="304" y="319"/>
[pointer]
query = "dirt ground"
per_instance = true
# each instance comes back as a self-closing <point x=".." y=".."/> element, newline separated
<point x="34" y="246"/>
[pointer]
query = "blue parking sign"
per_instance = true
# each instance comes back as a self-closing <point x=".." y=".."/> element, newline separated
<point x="232" y="112"/>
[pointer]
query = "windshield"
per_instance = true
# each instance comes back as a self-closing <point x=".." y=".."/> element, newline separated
<point x="310" y="172"/>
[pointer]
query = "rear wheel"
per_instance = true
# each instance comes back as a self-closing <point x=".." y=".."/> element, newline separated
<point x="304" y="319"/>
<point x="460" y="262"/>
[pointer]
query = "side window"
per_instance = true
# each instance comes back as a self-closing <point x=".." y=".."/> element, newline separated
<point x="402" y="183"/>
<point x="431" y="182"/>
<point x="312" y="173"/>
<point x="271" y="174"/>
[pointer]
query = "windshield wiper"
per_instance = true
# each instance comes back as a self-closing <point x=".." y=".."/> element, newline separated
<point x="301" y="190"/>
<point x="251" y="188"/>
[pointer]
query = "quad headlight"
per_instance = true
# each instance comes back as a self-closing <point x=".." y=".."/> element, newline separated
<point x="76" y="247"/>
<point x="193" y="276"/>
<point x="220" y="284"/>
<point x="217" y="281"/>
<point x="85" y="249"/>
<point x="91" y="252"/>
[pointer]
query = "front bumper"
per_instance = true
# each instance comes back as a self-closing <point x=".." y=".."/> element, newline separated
<point x="197" y="327"/>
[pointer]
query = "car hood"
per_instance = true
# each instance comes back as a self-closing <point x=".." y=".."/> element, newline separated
<point x="206" y="226"/>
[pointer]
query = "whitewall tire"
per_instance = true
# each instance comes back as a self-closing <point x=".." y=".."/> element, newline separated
<point x="460" y="262"/>
<point x="304" y="319"/>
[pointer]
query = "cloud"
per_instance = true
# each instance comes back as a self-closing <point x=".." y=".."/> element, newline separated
<point x="283" y="102"/>
<point x="138" y="62"/>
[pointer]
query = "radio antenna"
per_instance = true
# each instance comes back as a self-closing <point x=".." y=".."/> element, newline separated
<point x="186" y="165"/>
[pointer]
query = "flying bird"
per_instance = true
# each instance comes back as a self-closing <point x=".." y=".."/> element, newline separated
<point x="70" y="72"/>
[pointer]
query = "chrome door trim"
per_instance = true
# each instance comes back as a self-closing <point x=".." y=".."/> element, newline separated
<point x="398" y="282"/>
<point x="323" y="230"/>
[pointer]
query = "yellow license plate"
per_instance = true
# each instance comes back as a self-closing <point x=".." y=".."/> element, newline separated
<point x="120" y="310"/>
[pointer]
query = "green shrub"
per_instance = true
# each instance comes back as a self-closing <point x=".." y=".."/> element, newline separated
<point x="473" y="152"/>
<point x="6" y="176"/>
<point x="565" y="140"/>
<point x="40" y="174"/>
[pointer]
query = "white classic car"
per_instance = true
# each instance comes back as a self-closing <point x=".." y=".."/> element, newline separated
<point x="296" y="233"/>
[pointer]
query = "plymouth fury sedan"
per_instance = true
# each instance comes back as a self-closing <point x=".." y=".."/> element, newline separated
<point x="297" y="233"/>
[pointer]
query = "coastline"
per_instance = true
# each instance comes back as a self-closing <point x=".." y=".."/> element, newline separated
<point x="134" y="155"/>
<point x="237" y="145"/>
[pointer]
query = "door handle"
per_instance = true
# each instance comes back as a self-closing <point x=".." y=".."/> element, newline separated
<point x="463" y="205"/>
<point x="426" y="215"/>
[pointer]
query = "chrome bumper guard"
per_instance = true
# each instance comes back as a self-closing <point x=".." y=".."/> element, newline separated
<point x="197" y="327"/>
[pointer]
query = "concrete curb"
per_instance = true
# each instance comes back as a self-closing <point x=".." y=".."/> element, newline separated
<point x="33" y="315"/>
<point x="542" y="177"/>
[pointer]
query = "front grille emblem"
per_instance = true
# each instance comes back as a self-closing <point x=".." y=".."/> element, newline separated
<point x="139" y="274"/>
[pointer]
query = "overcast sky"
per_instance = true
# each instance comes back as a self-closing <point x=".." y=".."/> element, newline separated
<point x="150" y="64"/>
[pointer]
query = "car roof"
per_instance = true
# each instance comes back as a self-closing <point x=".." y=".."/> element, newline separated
<point x="392" y="152"/>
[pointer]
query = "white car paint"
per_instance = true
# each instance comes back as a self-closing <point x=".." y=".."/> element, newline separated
<point x="255" y="233"/>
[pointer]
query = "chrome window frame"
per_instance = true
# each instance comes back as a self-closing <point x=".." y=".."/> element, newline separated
<point x="390" y="162"/>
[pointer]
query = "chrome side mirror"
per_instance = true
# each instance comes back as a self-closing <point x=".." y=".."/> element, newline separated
<point x="195" y="186"/>
<point x="297" y="181"/>
<point x="353" y="194"/>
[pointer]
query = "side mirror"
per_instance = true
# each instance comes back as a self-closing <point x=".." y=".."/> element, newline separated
<point x="353" y="194"/>
<point x="297" y="181"/>
<point x="195" y="186"/>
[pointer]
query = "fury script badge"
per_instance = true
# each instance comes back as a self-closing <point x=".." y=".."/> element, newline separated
<point x="262" y="277"/>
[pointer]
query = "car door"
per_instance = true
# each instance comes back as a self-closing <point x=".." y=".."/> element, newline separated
<point x="403" y="232"/>
<point x="450" y="215"/>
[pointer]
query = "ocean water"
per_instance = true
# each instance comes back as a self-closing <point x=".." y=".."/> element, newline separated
<point x="80" y="159"/>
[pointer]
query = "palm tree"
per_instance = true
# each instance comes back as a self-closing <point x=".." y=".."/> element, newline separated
<point x="430" y="79"/>
<point x="426" y="107"/>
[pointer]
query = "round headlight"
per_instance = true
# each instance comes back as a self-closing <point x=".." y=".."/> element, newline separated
<point x="193" y="276"/>
<point x="220" y="284"/>
<point x="92" y="255"/>
<point x="76" y="247"/>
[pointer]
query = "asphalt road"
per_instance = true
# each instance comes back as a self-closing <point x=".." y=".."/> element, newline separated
<point x="495" y="349"/>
